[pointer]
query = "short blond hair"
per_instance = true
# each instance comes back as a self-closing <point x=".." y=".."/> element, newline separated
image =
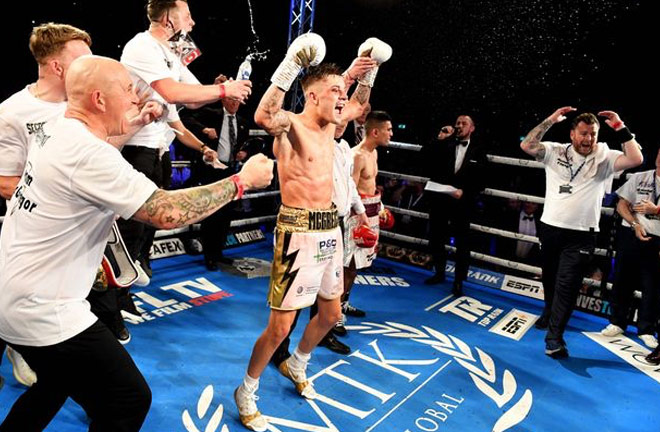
<point x="49" y="39"/>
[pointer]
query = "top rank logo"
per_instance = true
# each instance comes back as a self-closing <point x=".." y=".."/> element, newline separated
<point x="514" y="325"/>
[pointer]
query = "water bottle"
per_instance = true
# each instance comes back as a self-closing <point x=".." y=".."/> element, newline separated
<point x="245" y="69"/>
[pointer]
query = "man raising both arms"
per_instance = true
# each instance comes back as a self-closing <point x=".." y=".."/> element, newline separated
<point x="577" y="176"/>
<point x="308" y="246"/>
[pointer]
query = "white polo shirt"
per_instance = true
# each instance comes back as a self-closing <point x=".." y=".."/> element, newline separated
<point x="22" y="121"/>
<point x="638" y="187"/>
<point x="148" y="60"/>
<point x="592" y="178"/>
<point x="344" y="193"/>
<point x="56" y="229"/>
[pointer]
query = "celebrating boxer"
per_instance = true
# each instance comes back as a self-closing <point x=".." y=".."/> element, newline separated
<point x="577" y="176"/>
<point x="307" y="258"/>
<point x="52" y="242"/>
<point x="346" y="198"/>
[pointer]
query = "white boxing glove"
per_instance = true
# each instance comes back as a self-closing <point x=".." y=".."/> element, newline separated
<point x="377" y="50"/>
<point x="305" y="51"/>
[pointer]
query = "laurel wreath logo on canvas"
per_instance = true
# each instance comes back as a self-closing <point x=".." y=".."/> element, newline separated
<point x="203" y="405"/>
<point x="480" y="368"/>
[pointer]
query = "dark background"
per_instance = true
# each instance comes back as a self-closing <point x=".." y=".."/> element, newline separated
<point x="508" y="63"/>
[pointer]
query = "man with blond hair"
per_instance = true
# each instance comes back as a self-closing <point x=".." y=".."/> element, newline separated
<point x="24" y="115"/>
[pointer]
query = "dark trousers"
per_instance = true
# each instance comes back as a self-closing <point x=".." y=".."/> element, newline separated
<point x="138" y="236"/>
<point x="637" y="266"/>
<point x="214" y="228"/>
<point x="95" y="371"/>
<point x="565" y="255"/>
<point x="214" y="232"/>
<point x="445" y="209"/>
<point x="104" y="304"/>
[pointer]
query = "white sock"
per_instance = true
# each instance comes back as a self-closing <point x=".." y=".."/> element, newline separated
<point x="250" y="384"/>
<point x="299" y="359"/>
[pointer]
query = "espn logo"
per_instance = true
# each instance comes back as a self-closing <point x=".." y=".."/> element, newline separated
<point x="524" y="287"/>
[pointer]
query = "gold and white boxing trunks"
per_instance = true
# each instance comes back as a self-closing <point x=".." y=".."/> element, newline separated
<point x="307" y="258"/>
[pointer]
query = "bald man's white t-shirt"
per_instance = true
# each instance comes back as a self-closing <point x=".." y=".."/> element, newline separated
<point x="23" y="119"/>
<point x="55" y="232"/>
<point x="580" y="209"/>
<point x="148" y="60"/>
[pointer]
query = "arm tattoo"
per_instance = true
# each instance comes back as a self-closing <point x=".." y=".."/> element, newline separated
<point x="185" y="206"/>
<point x="361" y="94"/>
<point x="277" y="120"/>
<point x="532" y="141"/>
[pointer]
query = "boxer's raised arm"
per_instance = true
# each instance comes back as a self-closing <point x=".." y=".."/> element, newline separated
<point x="307" y="50"/>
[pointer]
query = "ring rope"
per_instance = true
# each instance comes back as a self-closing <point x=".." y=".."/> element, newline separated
<point x="608" y="211"/>
<point x="403" y="211"/>
<point x="260" y="194"/>
<point x="197" y="227"/>
<point x="485" y="229"/>
<point x="488" y="258"/>
<point x="403" y="176"/>
<point x="404" y="146"/>
<point x="252" y="221"/>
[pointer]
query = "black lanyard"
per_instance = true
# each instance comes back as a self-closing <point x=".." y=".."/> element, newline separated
<point x="570" y="165"/>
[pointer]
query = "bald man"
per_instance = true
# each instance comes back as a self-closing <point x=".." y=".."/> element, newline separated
<point x="53" y="238"/>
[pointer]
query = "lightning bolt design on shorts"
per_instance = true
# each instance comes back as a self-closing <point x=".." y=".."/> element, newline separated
<point x="287" y="261"/>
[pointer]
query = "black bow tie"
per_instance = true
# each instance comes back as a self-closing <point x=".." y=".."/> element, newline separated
<point x="530" y="218"/>
<point x="463" y="143"/>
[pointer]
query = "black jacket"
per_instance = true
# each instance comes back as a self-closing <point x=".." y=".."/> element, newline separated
<point x="439" y="158"/>
<point x="212" y="117"/>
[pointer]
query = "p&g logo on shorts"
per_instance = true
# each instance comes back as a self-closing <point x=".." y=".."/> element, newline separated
<point x="327" y="244"/>
<point x="326" y="249"/>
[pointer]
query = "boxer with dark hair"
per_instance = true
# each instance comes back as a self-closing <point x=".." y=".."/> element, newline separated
<point x="378" y="127"/>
